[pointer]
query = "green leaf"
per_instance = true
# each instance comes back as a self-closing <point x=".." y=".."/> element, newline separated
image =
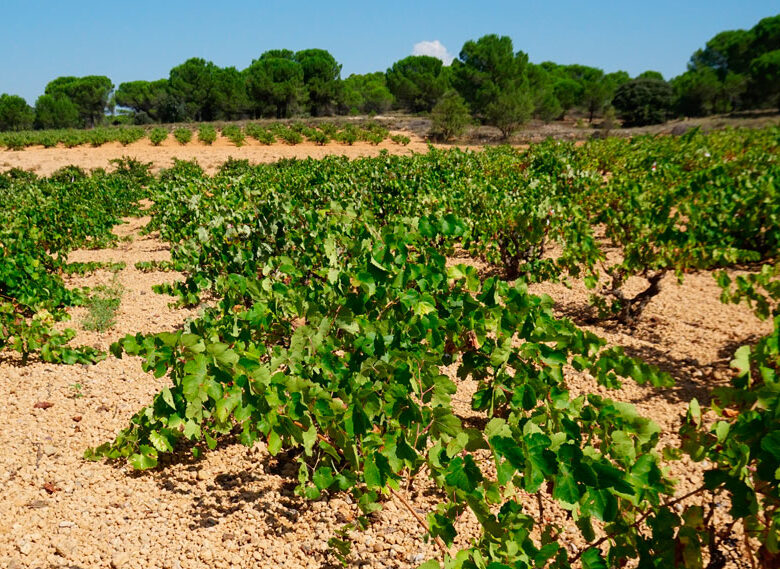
<point x="309" y="438"/>
<point x="741" y="361"/>
<point x="168" y="397"/>
<point x="144" y="460"/>
<point x="771" y="444"/>
<point x="160" y="441"/>
<point x="592" y="559"/>
<point x="463" y="473"/>
<point x="323" y="477"/>
<point x="274" y="443"/>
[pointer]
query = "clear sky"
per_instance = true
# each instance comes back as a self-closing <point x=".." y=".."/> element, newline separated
<point x="143" y="39"/>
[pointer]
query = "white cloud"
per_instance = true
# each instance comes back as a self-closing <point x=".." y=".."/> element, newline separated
<point x="433" y="48"/>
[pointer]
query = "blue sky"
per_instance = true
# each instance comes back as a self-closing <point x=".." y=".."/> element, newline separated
<point x="44" y="39"/>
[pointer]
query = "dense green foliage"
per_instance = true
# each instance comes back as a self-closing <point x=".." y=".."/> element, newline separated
<point x="207" y="134"/>
<point x="340" y="332"/>
<point x="89" y="95"/>
<point x="42" y="220"/>
<point x="644" y="101"/>
<point x="492" y="78"/>
<point x="15" y="113"/>
<point x="737" y="69"/>
<point x="450" y="117"/>
<point x="417" y="82"/>
<point x="182" y="135"/>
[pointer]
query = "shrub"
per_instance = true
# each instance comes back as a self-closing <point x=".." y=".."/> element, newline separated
<point x="135" y="170"/>
<point x="400" y="139"/>
<point x="68" y="174"/>
<point x="157" y="135"/>
<point x="48" y="139"/>
<point x="259" y="133"/>
<point x="182" y="135"/>
<point x="235" y="167"/>
<point x="234" y="134"/>
<point x="318" y="137"/>
<point x="643" y="101"/>
<point x="450" y="117"/>
<point x="98" y="137"/>
<point x="288" y="135"/>
<point x="347" y="136"/>
<point x="15" y="141"/>
<point x="330" y="129"/>
<point x="181" y="170"/>
<point x="73" y="138"/>
<point x="207" y="134"/>
<point x="129" y="135"/>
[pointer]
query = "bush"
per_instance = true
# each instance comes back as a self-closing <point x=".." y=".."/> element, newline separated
<point x="49" y="139"/>
<point x="15" y="141"/>
<point x="347" y="136"/>
<point x="132" y="169"/>
<point x="318" y="137"/>
<point x="235" y="167"/>
<point x="259" y="133"/>
<point x="509" y="110"/>
<point x="450" y="117"/>
<point x="129" y="135"/>
<point x="330" y="129"/>
<point x="234" y="134"/>
<point x="207" y="134"/>
<point x="157" y="135"/>
<point x="98" y="137"/>
<point x="400" y="139"/>
<point x="181" y="170"/>
<point x="643" y="101"/>
<point x="73" y="138"/>
<point x="288" y="135"/>
<point x="182" y="135"/>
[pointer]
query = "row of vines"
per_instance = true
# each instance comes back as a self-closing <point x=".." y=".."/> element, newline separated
<point x="336" y="306"/>
<point x="265" y="133"/>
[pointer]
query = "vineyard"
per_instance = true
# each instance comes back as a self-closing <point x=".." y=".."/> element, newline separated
<point x="374" y="326"/>
<point x="265" y="133"/>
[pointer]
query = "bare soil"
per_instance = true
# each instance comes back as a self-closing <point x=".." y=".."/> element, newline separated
<point x="44" y="161"/>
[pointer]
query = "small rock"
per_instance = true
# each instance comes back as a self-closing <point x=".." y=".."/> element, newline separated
<point x="66" y="524"/>
<point x="25" y="548"/>
<point x="120" y="560"/>
<point x="49" y="450"/>
<point x="64" y="547"/>
<point x="202" y="475"/>
<point x="77" y="418"/>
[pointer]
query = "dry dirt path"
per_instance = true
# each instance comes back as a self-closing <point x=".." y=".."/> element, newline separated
<point x="235" y="508"/>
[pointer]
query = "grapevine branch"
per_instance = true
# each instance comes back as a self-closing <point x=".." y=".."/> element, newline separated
<point x="400" y="498"/>
<point x="637" y="522"/>
<point x="419" y="519"/>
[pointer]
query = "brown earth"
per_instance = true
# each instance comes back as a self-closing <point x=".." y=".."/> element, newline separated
<point x="44" y="161"/>
<point x="235" y="507"/>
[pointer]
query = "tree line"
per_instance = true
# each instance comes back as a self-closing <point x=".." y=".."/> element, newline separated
<point x="489" y="82"/>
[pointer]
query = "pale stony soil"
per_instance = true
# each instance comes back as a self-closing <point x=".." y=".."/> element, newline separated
<point x="235" y="508"/>
<point x="44" y="161"/>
